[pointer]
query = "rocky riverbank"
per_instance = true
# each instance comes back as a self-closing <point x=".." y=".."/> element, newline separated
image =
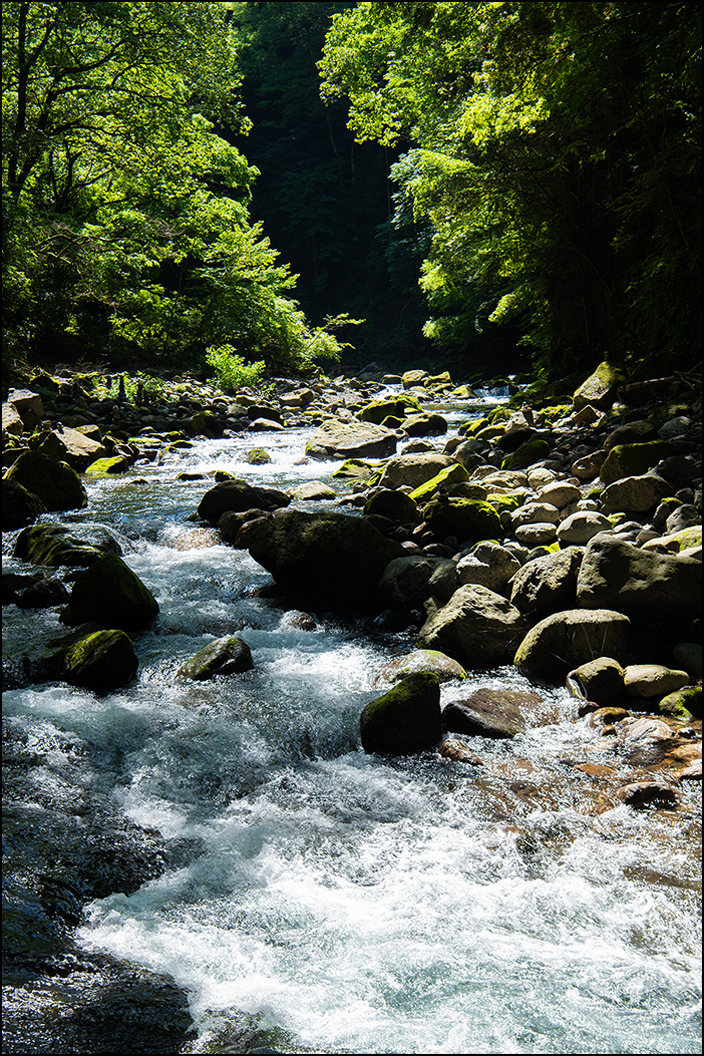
<point x="564" y="538"/>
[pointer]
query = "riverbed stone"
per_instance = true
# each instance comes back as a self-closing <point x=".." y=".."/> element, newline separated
<point x="323" y="561"/>
<point x="405" y="719"/>
<point x="414" y="469"/>
<point x="647" y="793"/>
<point x="685" y="516"/>
<point x="420" y="660"/>
<point x="644" y="741"/>
<point x="646" y="586"/>
<point x="337" y="439"/>
<point x="396" y="505"/>
<point x="540" y="533"/>
<point x="20" y="507"/>
<point x="410" y="580"/>
<point x="547" y="583"/>
<point x="103" y="660"/>
<point x="238" y="496"/>
<point x="534" y="513"/>
<point x="534" y="450"/>
<point x="489" y="564"/>
<point x="454" y="474"/>
<point x="629" y="460"/>
<point x="70" y="445"/>
<point x="600" y="681"/>
<point x="57" y="485"/>
<point x="685" y="703"/>
<point x="111" y="594"/>
<point x="476" y="627"/>
<point x="568" y="639"/>
<point x="11" y="420"/>
<point x="225" y="656"/>
<point x="54" y="544"/>
<point x="399" y="406"/>
<point x="634" y="494"/>
<point x="465" y="519"/>
<point x="313" y="491"/>
<point x="652" y="680"/>
<point x="490" y="713"/>
<point x="579" y="527"/>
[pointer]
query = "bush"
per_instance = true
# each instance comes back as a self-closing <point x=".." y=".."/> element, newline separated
<point x="231" y="370"/>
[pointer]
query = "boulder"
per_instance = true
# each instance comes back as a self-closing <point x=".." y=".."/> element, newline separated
<point x="414" y="469"/>
<point x="110" y="594"/>
<point x="323" y="561"/>
<point x="406" y="719"/>
<point x="411" y="378"/>
<point x="535" y="512"/>
<point x="410" y="580"/>
<point x="225" y="656"/>
<point x="424" y="425"/>
<point x="547" y="583"/>
<point x="102" y="661"/>
<point x="397" y="407"/>
<point x="454" y="474"/>
<point x="476" y="627"/>
<point x="313" y="491"/>
<point x="466" y="519"/>
<point x="487" y="713"/>
<point x="630" y="460"/>
<point x="71" y="446"/>
<point x="109" y="466"/>
<point x="420" y="660"/>
<point x="644" y="585"/>
<point x="600" y="681"/>
<point x="45" y="593"/>
<point x="634" y="494"/>
<point x="599" y="390"/>
<point x="559" y="493"/>
<point x="11" y="421"/>
<point x="532" y="451"/>
<point x="54" y="544"/>
<point x="396" y="505"/>
<point x="542" y="533"/>
<point x="336" y="439"/>
<point x="685" y="703"/>
<point x="489" y="565"/>
<point x="19" y="506"/>
<point x="652" y="680"/>
<point x="568" y="639"/>
<point x="579" y="527"/>
<point x="57" y="485"/>
<point x="28" y="405"/>
<point x="238" y="496"/>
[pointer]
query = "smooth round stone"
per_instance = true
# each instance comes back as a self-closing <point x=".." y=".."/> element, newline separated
<point x="652" y="680"/>
<point x="538" y="534"/>
<point x="560" y="494"/>
<point x="535" y="512"/>
<point x="582" y="526"/>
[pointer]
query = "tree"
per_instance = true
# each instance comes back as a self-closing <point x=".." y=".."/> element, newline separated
<point x="556" y="159"/>
<point x="126" y="214"/>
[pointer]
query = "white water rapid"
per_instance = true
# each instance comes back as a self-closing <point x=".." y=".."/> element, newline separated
<point x="357" y="903"/>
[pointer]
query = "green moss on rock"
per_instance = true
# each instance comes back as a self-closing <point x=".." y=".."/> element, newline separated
<point x="406" y="719"/>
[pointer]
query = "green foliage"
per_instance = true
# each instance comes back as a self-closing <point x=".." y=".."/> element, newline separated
<point x="126" y="213"/>
<point x="555" y="157"/>
<point x="231" y="370"/>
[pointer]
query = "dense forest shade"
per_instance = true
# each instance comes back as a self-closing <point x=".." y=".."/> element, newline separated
<point x="536" y="165"/>
<point x="556" y="160"/>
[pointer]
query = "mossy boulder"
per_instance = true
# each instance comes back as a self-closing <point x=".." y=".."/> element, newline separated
<point x="396" y="505"/>
<point x="102" y="660"/>
<point x="632" y="460"/>
<point x="527" y="454"/>
<point x="111" y="594"/>
<point x="424" y="425"/>
<point x="323" y="561"/>
<point x="397" y="407"/>
<point x="225" y="656"/>
<point x="449" y="475"/>
<point x="20" y="507"/>
<point x="410" y="580"/>
<point x="109" y="466"/>
<point x="685" y="703"/>
<point x="404" y="720"/>
<point x="600" y="681"/>
<point x="53" y="545"/>
<point x="599" y="390"/>
<point x="357" y="469"/>
<point x="57" y="485"/>
<point x="420" y="660"/>
<point x="463" y="518"/>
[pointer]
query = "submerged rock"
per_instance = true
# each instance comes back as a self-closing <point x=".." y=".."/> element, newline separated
<point x="406" y="719"/>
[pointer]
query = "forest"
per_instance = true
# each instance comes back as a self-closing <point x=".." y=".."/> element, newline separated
<point x="504" y="187"/>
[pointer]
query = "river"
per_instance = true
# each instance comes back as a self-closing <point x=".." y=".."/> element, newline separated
<point x="348" y="902"/>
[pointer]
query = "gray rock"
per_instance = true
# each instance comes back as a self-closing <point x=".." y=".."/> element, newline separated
<point x="534" y="513"/>
<point x="600" y="681"/>
<point x="634" y="494"/>
<point x="582" y="526"/>
<point x="313" y="491"/>
<point x="420" y="660"/>
<point x="652" y="680"/>
<point x="683" y="517"/>
<point x="559" y="494"/>
<point x="547" y="583"/>
<point x="566" y="640"/>
<point x="109" y="593"/>
<point x="336" y="439"/>
<point x="489" y="565"/>
<point x="225" y="656"/>
<point x="238" y="496"/>
<point x="413" y="469"/>
<point x="476" y="627"/>
<point x="643" y="584"/>
<point x="541" y="533"/>
<point x="408" y="581"/>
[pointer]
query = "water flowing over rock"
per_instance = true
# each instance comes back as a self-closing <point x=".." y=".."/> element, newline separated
<point x="328" y="561"/>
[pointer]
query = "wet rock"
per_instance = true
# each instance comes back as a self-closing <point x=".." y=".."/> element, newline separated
<point x="684" y="703"/>
<point x="420" y="660"/>
<point x="323" y="561"/>
<point x="110" y="466"/>
<point x="424" y="425"/>
<point x="644" y="741"/>
<point x="54" y="545"/>
<point x="257" y="457"/>
<point x="456" y="750"/>
<point x="397" y="407"/>
<point x="406" y="719"/>
<point x="487" y="713"/>
<point x="111" y="594"/>
<point x="408" y="581"/>
<point x="599" y="680"/>
<point x="313" y="491"/>
<point x="20" y="506"/>
<point x="45" y="593"/>
<point x="652" y="680"/>
<point x="648" y="793"/>
<point x="225" y="656"/>
<point x="644" y="585"/>
<point x="476" y="627"/>
<point x="336" y="439"/>
<point x="57" y="485"/>
<point x="547" y="583"/>
<point x="238" y="496"/>
<point x="568" y="639"/>
<point x="102" y="661"/>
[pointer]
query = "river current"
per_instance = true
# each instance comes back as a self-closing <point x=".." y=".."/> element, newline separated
<point x="359" y="903"/>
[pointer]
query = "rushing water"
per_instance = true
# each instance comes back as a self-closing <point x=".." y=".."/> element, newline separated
<point x="363" y="904"/>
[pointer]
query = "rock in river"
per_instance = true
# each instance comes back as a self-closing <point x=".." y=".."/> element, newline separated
<point x="406" y="719"/>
